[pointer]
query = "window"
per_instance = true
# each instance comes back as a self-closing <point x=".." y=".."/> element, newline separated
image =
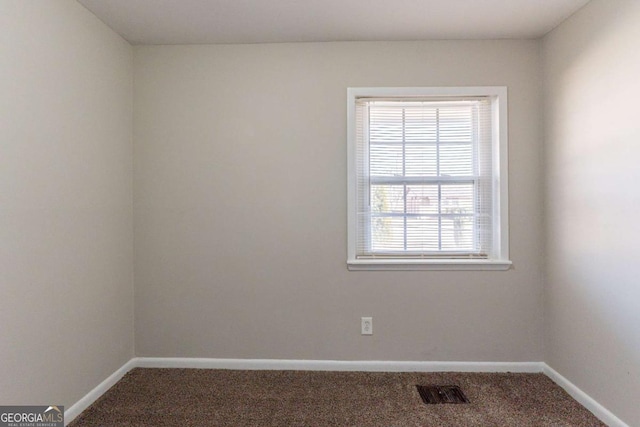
<point x="428" y="178"/>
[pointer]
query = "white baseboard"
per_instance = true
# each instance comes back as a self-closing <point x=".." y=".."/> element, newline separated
<point x="583" y="398"/>
<point x="345" y="365"/>
<point x="82" y="404"/>
<point x="337" y="365"/>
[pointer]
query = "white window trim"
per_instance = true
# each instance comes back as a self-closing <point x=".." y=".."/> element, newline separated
<point x="501" y="218"/>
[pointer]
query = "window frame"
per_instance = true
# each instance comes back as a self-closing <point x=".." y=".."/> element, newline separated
<point x="499" y="260"/>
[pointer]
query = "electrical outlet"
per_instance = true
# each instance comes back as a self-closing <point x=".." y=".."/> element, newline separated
<point x="366" y="325"/>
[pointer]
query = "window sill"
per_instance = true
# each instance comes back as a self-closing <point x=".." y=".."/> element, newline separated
<point x="421" y="264"/>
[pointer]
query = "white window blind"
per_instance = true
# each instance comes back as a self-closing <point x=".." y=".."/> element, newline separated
<point x="426" y="178"/>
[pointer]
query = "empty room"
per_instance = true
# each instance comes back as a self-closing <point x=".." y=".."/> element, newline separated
<point x="319" y="213"/>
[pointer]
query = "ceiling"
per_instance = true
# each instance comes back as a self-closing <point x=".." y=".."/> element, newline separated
<point x="267" y="21"/>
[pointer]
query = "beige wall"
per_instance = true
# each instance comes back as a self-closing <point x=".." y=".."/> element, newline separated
<point x="592" y="88"/>
<point x="240" y="207"/>
<point x="66" y="272"/>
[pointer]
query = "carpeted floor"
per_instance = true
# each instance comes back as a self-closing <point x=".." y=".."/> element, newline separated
<point x="202" y="397"/>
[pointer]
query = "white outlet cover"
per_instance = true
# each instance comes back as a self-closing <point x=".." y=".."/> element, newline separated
<point x="366" y="326"/>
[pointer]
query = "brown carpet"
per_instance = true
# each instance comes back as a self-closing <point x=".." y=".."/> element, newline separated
<point x="202" y="397"/>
